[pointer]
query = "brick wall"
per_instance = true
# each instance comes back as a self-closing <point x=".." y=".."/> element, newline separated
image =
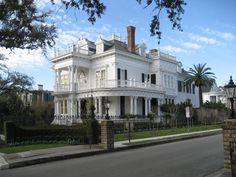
<point x="229" y="136"/>
<point x="107" y="134"/>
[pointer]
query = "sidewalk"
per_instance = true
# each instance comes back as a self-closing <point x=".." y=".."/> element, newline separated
<point x="75" y="151"/>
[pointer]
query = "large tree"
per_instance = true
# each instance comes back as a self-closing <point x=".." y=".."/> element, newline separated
<point x="24" y="26"/>
<point x="174" y="9"/>
<point x="201" y="76"/>
<point x="11" y="85"/>
<point x="11" y="81"/>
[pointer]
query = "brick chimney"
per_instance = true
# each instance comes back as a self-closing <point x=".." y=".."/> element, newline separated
<point x="131" y="38"/>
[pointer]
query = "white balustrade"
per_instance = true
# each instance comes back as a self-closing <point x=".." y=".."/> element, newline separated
<point x="107" y="84"/>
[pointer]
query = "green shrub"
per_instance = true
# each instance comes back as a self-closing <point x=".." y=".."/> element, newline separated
<point x="14" y="134"/>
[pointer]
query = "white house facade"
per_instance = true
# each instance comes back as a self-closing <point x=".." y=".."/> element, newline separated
<point x="134" y="82"/>
<point x="216" y="95"/>
<point x="186" y="91"/>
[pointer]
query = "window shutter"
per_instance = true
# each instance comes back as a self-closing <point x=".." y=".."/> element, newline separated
<point x="118" y="73"/>
<point x="142" y="77"/>
<point x="153" y="79"/>
<point x="125" y="74"/>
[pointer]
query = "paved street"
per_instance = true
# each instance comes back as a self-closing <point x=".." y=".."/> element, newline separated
<point x="191" y="158"/>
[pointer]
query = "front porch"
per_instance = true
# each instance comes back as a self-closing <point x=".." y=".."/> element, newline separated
<point x="70" y="110"/>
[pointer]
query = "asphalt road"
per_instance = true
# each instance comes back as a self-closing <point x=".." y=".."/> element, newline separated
<point x="190" y="158"/>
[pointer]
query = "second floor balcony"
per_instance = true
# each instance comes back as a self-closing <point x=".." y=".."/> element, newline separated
<point x="100" y="84"/>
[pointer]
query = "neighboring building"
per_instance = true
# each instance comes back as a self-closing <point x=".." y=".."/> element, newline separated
<point x="37" y="96"/>
<point x="135" y="82"/>
<point x="215" y="94"/>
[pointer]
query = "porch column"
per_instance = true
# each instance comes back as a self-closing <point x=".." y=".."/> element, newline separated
<point x="72" y="107"/>
<point x="59" y="107"/>
<point x="146" y="106"/>
<point x="131" y="104"/>
<point x="78" y="108"/>
<point x="69" y="76"/>
<point x="95" y="105"/>
<point x="58" y="82"/>
<point x="149" y="105"/>
<point x="59" y="77"/>
<point x="135" y="105"/>
<point x="68" y="106"/>
<point x="56" y="78"/>
<point x="55" y="106"/>
<point x="100" y="106"/>
<point x="159" y="107"/>
<point x="76" y="78"/>
<point x="71" y="73"/>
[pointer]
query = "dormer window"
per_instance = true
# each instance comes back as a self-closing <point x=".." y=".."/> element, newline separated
<point x="99" y="45"/>
<point x="141" y="49"/>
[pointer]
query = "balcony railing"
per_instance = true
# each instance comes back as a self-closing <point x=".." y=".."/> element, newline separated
<point x="105" y="84"/>
<point x="72" y="50"/>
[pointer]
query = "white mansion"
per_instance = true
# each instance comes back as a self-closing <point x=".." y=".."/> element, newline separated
<point x="134" y="82"/>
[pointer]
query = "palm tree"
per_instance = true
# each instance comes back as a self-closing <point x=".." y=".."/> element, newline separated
<point x="201" y="76"/>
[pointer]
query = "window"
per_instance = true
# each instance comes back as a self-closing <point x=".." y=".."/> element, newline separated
<point x="121" y="74"/>
<point x="193" y="88"/>
<point x="122" y="77"/>
<point x="172" y="82"/>
<point x="153" y="78"/>
<point x="145" y="77"/>
<point x="168" y="81"/>
<point x="165" y="80"/>
<point x="213" y="99"/>
<point x="179" y="86"/>
<point x="100" y="77"/>
<point x="187" y="88"/>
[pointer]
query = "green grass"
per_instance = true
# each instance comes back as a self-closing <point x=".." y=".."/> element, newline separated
<point x="164" y="132"/>
<point x="23" y="148"/>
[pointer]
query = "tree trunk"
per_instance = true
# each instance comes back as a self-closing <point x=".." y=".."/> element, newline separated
<point x="200" y="96"/>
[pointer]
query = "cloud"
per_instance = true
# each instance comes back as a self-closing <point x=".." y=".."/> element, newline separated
<point x="202" y="39"/>
<point x="191" y="45"/>
<point x="67" y="37"/>
<point x="19" y="58"/>
<point x="224" y="35"/>
<point x="44" y="3"/>
<point x="173" y="49"/>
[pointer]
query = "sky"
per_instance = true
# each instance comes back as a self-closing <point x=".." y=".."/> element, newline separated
<point x="209" y="36"/>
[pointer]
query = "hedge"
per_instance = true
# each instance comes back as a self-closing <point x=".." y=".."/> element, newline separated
<point x="15" y="134"/>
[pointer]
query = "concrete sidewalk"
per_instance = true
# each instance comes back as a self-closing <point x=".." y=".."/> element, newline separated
<point x="75" y="151"/>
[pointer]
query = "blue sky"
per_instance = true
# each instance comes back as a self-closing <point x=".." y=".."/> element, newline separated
<point x="209" y="36"/>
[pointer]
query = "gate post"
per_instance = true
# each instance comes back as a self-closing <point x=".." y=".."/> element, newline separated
<point x="107" y="134"/>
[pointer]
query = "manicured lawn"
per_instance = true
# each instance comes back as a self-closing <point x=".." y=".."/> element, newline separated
<point x="163" y="132"/>
<point x="22" y="148"/>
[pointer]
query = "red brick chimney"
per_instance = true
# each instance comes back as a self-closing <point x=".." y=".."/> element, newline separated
<point x="131" y="38"/>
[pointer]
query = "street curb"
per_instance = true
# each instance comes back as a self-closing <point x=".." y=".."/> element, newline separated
<point x="98" y="152"/>
<point x="54" y="158"/>
<point x="3" y="164"/>
<point x="167" y="140"/>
